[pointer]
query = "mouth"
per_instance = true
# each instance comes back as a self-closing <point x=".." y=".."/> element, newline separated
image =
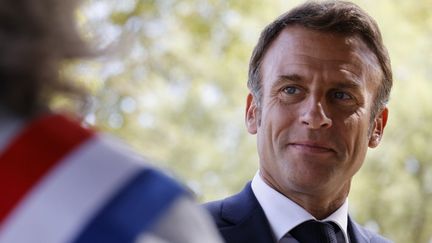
<point x="311" y="147"/>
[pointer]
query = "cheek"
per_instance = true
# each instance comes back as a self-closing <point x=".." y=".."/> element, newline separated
<point x="351" y="125"/>
<point x="356" y="139"/>
<point x="274" y="120"/>
<point x="273" y="131"/>
<point x="358" y="123"/>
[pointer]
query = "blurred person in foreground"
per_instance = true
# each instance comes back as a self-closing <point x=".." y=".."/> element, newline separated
<point x="319" y="81"/>
<point x="59" y="181"/>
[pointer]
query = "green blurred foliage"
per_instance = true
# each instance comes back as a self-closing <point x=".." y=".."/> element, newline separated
<point x="173" y="84"/>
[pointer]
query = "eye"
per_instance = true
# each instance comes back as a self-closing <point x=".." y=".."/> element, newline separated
<point x="341" y="95"/>
<point x="291" y="90"/>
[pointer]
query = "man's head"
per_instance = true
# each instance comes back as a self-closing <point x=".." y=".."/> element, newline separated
<point x="317" y="102"/>
<point x="35" y="38"/>
<point x="333" y="17"/>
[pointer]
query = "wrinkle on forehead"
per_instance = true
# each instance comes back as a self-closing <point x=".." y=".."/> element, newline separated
<point x="292" y="40"/>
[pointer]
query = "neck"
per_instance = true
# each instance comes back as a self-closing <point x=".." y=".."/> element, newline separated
<point x="320" y="203"/>
<point x="319" y="207"/>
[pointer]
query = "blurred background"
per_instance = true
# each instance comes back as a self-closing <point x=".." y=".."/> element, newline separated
<point x="173" y="84"/>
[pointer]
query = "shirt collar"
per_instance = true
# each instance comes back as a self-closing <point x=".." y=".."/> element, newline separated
<point x="283" y="214"/>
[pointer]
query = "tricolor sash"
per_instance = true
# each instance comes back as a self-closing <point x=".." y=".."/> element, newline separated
<point x="60" y="182"/>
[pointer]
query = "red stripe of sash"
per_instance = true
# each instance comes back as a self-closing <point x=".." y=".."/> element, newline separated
<point x="37" y="149"/>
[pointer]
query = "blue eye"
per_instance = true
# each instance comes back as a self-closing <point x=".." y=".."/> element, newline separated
<point x="291" y="90"/>
<point x="342" y="96"/>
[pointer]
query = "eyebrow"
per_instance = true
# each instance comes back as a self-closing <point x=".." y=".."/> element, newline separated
<point x="290" y="77"/>
<point x="283" y="79"/>
<point x="345" y="84"/>
<point x="351" y="84"/>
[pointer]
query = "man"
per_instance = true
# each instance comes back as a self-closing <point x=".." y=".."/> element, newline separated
<point x="59" y="181"/>
<point x="319" y="81"/>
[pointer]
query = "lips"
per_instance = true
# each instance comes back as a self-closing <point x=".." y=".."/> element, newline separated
<point x="312" y="147"/>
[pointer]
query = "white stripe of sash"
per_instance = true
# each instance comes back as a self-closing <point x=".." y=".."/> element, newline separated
<point x="69" y="196"/>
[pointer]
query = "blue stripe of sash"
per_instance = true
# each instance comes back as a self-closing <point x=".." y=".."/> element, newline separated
<point x="133" y="210"/>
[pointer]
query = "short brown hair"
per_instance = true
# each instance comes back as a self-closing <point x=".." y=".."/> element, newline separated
<point x="35" y="37"/>
<point x="330" y="16"/>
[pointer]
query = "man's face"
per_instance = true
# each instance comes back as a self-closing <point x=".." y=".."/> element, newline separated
<point x="313" y="122"/>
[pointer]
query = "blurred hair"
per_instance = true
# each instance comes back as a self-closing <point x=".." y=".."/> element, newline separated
<point x="35" y="38"/>
<point x="329" y="16"/>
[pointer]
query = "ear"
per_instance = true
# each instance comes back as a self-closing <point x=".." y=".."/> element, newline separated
<point x="380" y="122"/>
<point x="251" y="115"/>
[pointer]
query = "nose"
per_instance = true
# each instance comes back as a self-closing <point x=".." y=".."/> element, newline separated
<point x="314" y="116"/>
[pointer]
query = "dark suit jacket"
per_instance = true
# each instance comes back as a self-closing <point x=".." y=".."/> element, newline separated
<point x="240" y="219"/>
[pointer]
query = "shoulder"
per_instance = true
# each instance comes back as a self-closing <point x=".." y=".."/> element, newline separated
<point x="361" y="232"/>
<point x="98" y="178"/>
<point x="240" y="218"/>
<point x="215" y="209"/>
<point x="177" y="223"/>
<point x="233" y="209"/>
<point x="115" y="149"/>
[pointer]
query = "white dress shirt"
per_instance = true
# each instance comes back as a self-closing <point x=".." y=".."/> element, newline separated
<point x="283" y="214"/>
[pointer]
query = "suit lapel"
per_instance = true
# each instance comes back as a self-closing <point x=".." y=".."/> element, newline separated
<point x="356" y="233"/>
<point x="248" y="221"/>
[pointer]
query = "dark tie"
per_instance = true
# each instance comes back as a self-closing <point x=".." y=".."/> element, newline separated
<point x="315" y="232"/>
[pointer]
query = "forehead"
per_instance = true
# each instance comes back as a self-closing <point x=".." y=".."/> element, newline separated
<point x="302" y="48"/>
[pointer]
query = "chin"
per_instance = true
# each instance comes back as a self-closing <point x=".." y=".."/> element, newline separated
<point x="309" y="182"/>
